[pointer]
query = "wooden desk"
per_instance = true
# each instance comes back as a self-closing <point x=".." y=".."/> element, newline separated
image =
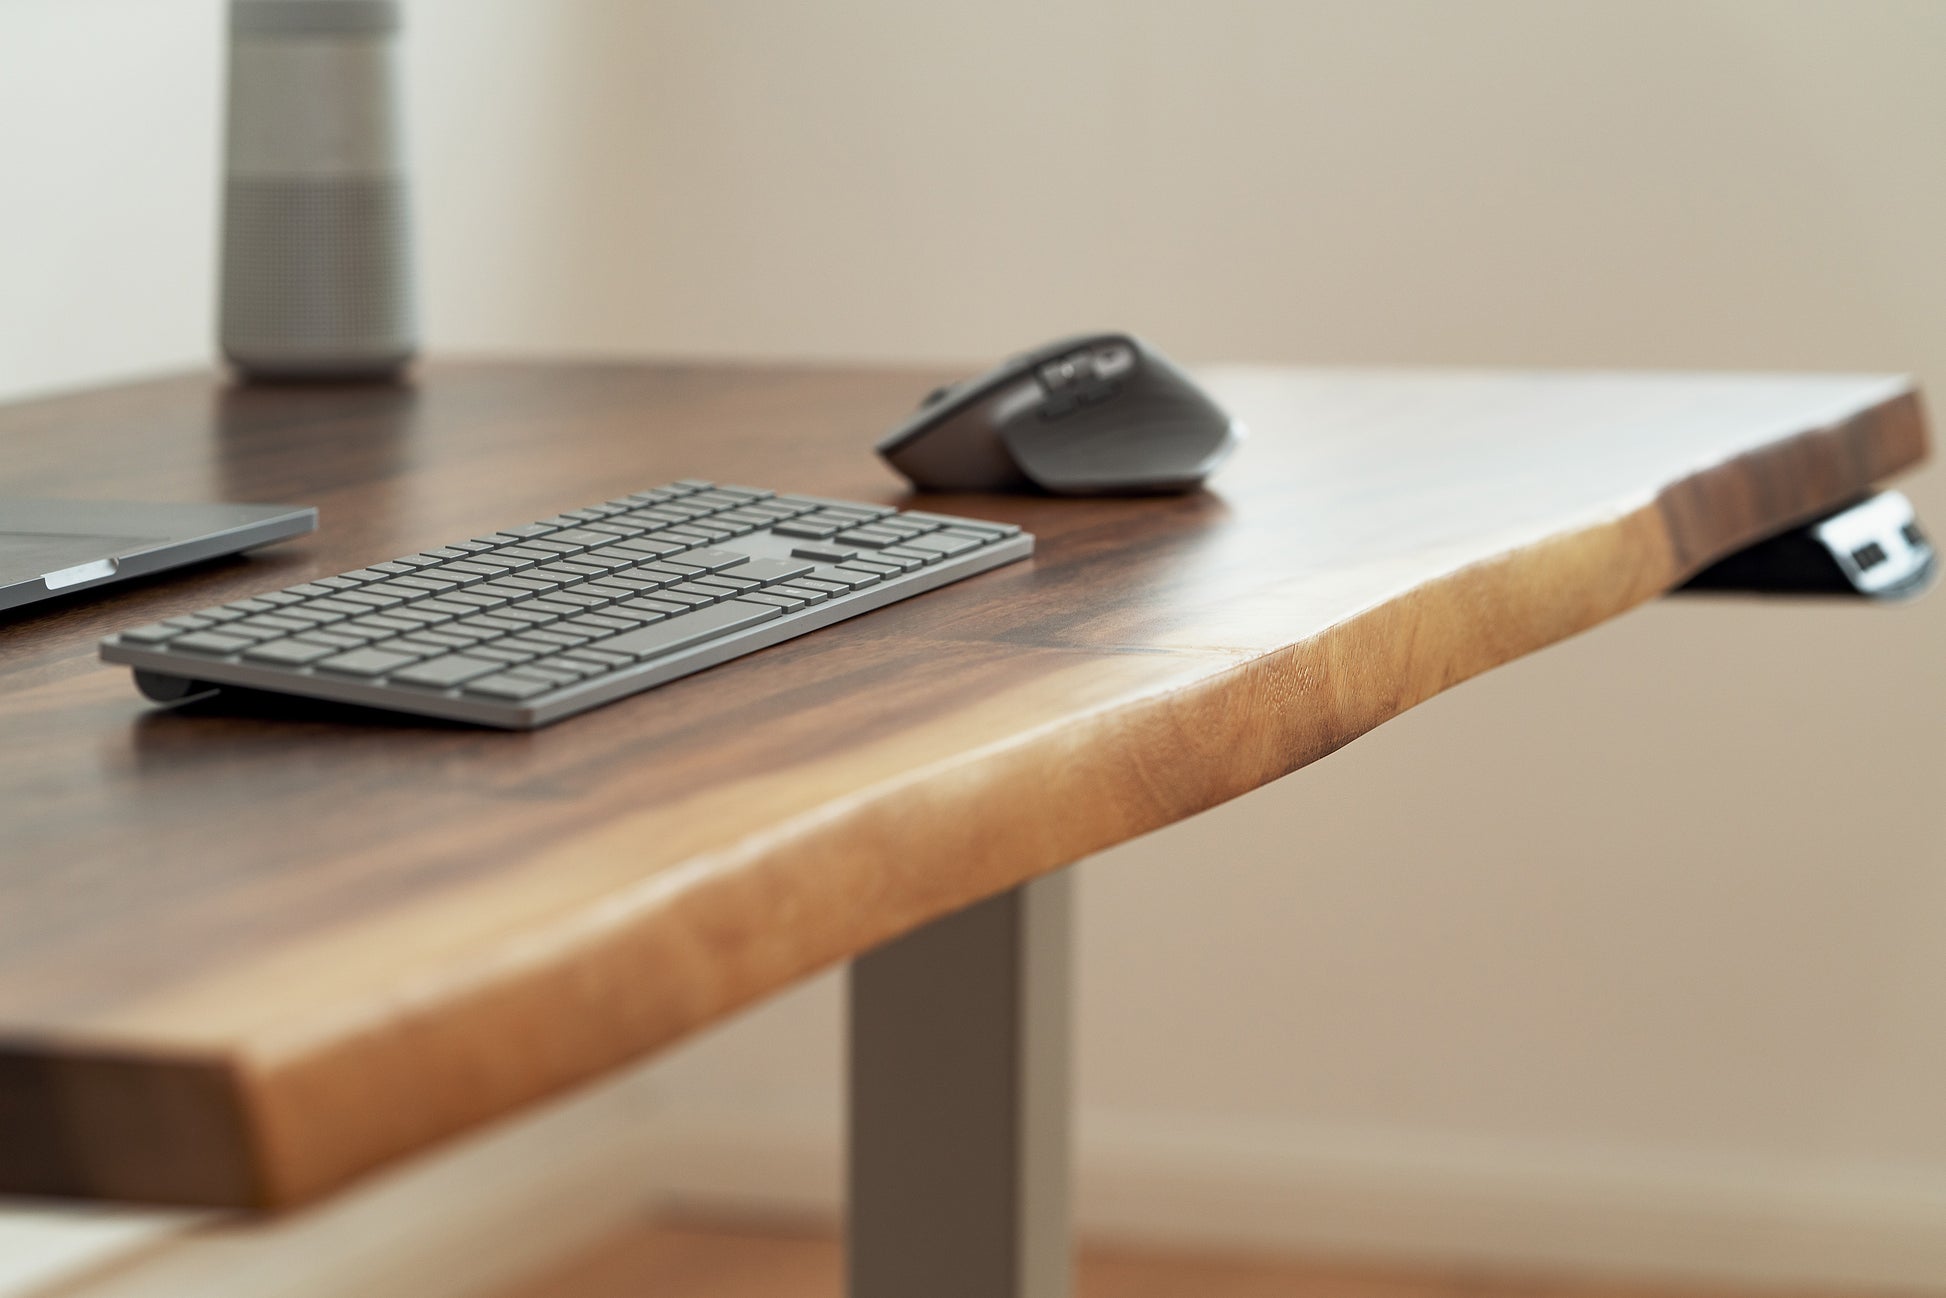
<point x="245" y="958"/>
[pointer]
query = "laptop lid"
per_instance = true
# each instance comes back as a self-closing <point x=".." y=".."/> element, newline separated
<point x="52" y="547"/>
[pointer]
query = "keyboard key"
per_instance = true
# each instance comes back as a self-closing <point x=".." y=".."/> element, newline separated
<point x="368" y="662"/>
<point x="441" y="607"/>
<point x="923" y="556"/>
<point x="378" y="622"/>
<point x="272" y="622"/>
<point x="941" y="543"/>
<point x="629" y="584"/>
<point x="562" y="671"/>
<point x="256" y="634"/>
<point x="513" y="688"/>
<point x="618" y="528"/>
<point x="330" y="604"/>
<point x="595" y="656"/>
<point x="417" y="582"/>
<point x="370" y="599"/>
<point x="556" y="637"/>
<point x="504" y="652"/>
<point x="444" y="673"/>
<point x="868" y="537"/>
<point x="685" y="598"/>
<point x="713" y="559"/>
<point x="893" y="560"/>
<point x="964" y="524"/>
<point x="724" y="581"/>
<point x="489" y="622"/>
<point x="851" y="506"/>
<point x="703" y="534"/>
<point x="446" y="639"/>
<point x="532" y="582"/>
<point x="309" y="616"/>
<point x="648" y="607"/>
<point x="668" y="541"/>
<point x="566" y="572"/>
<point x="801" y="527"/>
<point x="526" y="614"/>
<point x="690" y="629"/>
<point x="211" y="642"/>
<point x="766" y="570"/>
<point x="800" y="589"/>
<point x="843" y="577"/>
<point x="477" y="568"/>
<point x="288" y="653"/>
<point x="580" y="537"/>
<point x="418" y="615"/>
<point x="514" y="556"/>
<point x="338" y="638"/>
<point x="596" y="624"/>
<point x="642" y="548"/>
<point x="476" y="598"/>
<point x="673" y="569"/>
<point x="708" y="593"/>
<point x="512" y="588"/>
<point x="749" y="518"/>
<point x="824" y="553"/>
<point x="773" y="597"/>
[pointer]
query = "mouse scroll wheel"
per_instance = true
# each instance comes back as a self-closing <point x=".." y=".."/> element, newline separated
<point x="1063" y="373"/>
<point x="937" y="395"/>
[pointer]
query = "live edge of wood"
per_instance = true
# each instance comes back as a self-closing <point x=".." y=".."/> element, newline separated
<point x="249" y="952"/>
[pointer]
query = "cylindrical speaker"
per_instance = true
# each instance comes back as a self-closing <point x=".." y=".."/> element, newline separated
<point x="317" y="265"/>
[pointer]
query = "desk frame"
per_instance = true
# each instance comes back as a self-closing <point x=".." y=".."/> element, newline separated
<point x="960" y="1099"/>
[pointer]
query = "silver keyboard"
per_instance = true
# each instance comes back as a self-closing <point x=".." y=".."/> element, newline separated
<point x="526" y="626"/>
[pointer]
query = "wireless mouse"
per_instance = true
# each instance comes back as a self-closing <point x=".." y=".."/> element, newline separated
<point x="1094" y="415"/>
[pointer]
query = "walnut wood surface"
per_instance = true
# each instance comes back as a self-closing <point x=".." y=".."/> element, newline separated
<point x="246" y="955"/>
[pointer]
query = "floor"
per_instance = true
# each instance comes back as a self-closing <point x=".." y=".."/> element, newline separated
<point x="688" y="1260"/>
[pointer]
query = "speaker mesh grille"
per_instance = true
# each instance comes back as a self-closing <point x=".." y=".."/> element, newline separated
<point x="316" y="272"/>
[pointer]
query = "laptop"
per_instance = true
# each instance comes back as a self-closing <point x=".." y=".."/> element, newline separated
<point x="56" y="547"/>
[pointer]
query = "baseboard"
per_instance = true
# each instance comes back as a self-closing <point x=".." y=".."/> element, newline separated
<point x="463" y="1222"/>
<point x="1247" y="1186"/>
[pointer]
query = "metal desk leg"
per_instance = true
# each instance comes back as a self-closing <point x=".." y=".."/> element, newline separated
<point x="959" y="1104"/>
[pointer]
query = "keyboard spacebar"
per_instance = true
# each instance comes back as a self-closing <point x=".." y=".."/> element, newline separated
<point x="686" y="629"/>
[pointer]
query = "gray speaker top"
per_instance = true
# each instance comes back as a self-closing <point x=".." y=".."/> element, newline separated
<point x="314" y="17"/>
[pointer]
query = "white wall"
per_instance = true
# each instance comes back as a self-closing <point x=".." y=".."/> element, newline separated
<point x="1625" y="955"/>
<point x="108" y="154"/>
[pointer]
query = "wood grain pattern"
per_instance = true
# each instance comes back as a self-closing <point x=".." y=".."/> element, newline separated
<point x="246" y="956"/>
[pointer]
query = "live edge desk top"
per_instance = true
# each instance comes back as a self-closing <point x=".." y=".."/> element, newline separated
<point x="244" y="958"/>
